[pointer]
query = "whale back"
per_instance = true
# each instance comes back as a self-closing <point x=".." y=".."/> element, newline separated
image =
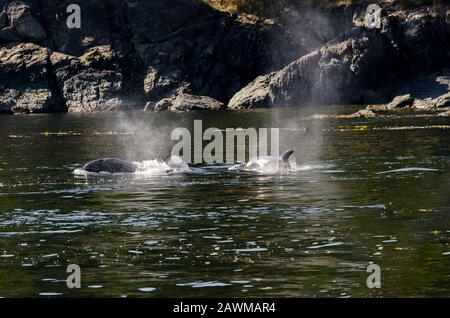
<point x="110" y="165"/>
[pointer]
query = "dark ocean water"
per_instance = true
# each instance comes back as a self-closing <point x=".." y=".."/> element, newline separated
<point x="365" y="191"/>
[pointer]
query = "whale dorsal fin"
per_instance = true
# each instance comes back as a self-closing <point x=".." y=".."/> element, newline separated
<point x="286" y="156"/>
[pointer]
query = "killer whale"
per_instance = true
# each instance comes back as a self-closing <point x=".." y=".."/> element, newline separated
<point x="120" y="166"/>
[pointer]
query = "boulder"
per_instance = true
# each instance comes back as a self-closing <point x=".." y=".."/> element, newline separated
<point x="347" y="70"/>
<point x="25" y="84"/>
<point x="363" y="113"/>
<point x="401" y="102"/>
<point x="443" y="101"/>
<point x="258" y="94"/>
<point x="162" y="105"/>
<point x="92" y="82"/>
<point x="186" y="102"/>
<point x="424" y="104"/>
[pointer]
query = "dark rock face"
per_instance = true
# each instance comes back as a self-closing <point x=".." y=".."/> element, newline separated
<point x="98" y="21"/>
<point x="195" y="49"/>
<point x="312" y="27"/>
<point x="18" y="23"/>
<point x="25" y="84"/>
<point x="423" y="37"/>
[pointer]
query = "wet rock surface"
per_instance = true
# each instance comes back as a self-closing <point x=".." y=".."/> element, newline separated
<point x="401" y="102"/>
<point x="186" y="102"/>
<point x="363" y="113"/>
<point x="443" y="101"/>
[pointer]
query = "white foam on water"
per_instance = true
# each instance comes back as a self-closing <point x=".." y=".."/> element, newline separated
<point x="318" y="166"/>
<point x="151" y="168"/>
<point x="315" y="247"/>
<point x="390" y="241"/>
<point x="147" y="289"/>
<point x="136" y="252"/>
<point x="50" y="255"/>
<point x="270" y="165"/>
<point x="204" y="284"/>
<point x="50" y="294"/>
<point x="177" y="164"/>
<point x="250" y="250"/>
<point x="267" y="165"/>
<point x="412" y="169"/>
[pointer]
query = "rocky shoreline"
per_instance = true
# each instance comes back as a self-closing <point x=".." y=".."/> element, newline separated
<point x="182" y="55"/>
<point x="431" y="94"/>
